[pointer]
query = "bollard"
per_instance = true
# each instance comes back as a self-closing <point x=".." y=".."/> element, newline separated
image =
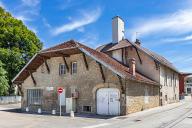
<point x="72" y="114"/>
<point x="39" y="110"/>
<point x="27" y="109"/>
<point x="53" y="112"/>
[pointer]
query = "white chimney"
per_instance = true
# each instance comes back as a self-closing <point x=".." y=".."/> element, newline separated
<point x="117" y="29"/>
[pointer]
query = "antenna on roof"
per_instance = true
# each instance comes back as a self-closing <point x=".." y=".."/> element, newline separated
<point x="137" y="41"/>
<point x="137" y="35"/>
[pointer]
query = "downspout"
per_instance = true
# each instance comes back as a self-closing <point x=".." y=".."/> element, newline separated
<point x="160" y="86"/>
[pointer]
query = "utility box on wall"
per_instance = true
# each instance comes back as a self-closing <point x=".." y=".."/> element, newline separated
<point x="70" y="105"/>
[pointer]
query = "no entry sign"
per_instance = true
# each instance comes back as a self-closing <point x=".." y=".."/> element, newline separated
<point x="60" y="90"/>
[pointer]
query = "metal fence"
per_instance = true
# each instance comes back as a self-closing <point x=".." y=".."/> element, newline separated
<point x="10" y="99"/>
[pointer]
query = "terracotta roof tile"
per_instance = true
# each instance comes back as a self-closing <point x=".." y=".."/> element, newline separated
<point x="155" y="56"/>
<point x="101" y="57"/>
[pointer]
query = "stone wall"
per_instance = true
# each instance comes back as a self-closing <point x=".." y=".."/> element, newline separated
<point x="141" y="96"/>
<point x="86" y="82"/>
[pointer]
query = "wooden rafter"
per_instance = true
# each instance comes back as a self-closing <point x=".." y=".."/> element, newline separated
<point x="45" y="61"/>
<point x="47" y="66"/>
<point x="67" y="67"/>
<point x="85" y="61"/>
<point x="18" y="82"/>
<point x="31" y="69"/>
<point x="45" y="57"/>
<point x="61" y="54"/>
<point x="121" y="83"/>
<point x="101" y="70"/>
<point x="157" y="64"/>
<point x="120" y="80"/>
<point x="20" y="89"/>
<point x="122" y="55"/>
<point x="138" y="55"/>
<point x="33" y="79"/>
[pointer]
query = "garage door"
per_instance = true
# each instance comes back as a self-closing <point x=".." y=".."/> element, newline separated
<point x="108" y="101"/>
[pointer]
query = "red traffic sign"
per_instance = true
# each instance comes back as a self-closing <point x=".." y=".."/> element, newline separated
<point x="60" y="90"/>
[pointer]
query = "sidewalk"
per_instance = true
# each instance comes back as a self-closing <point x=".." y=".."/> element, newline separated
<point x="154" y="110"/>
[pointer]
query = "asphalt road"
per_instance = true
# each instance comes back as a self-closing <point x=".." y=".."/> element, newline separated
<point x="178" y="115"/>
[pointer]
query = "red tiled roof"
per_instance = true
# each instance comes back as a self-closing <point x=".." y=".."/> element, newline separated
<point x="116" y="65"/>
<point x="126" y="43"/>
<point x="121" y="44"/>
<point x="100" y="57"/>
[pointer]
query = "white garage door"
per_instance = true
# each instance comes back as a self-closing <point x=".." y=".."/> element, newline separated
<point x="108" y="101"/>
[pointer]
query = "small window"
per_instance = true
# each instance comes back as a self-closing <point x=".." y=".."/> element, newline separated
<point x="165" y="80"/>
<point x="62" y="69"/>
<point x="166" y="98"/>
<point x="188" y="90"/>
<point x="87" y="108"/>
<point x="34" y="96"/>
<point x="74" y="67"/>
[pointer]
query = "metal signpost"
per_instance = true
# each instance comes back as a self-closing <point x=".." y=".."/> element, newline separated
<point x="60" y="90"/>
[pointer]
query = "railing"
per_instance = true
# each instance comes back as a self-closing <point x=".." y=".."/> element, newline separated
<point x="10" y="99"/>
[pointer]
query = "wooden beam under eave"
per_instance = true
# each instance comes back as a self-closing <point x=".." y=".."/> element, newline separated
<point x="18" y="82"/>
<point x="85" y="61"/>
<point x="20" y="89"/>
<point x="33" y="79"/>
<point x="62" y="54"/>
<point x="101" y="70"/>
<point x="157" y="65"/>
<point x="121" y="83"/>
<point x="44" y="57"/>
<point x="45" y="61"/>
<point x="47" y="66"/>
<point x="67" y="67"/>
<point x="31" y="70"/>
<point x="120" y="80"/>
<point x="138" y="55"/>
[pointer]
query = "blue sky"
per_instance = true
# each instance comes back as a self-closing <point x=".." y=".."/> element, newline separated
<point x="164" y="26"/>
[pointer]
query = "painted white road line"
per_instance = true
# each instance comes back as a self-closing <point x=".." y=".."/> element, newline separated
<point x="96" y="126"/>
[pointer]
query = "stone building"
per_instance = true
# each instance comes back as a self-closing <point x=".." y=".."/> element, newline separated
<point x="188" y="85"/>
<point x="115" y="79"/>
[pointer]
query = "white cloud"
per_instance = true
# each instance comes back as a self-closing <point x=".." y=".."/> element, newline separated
<point x="31" y="3"/>
<point x="81" y="29"/>
<point x="33" y="29"/>
<point x="172" y="24"/>
<point x="45" y="22"/>
<point x="180" y="39"/>
<point x="90" y="39"/>
<point x="23" y="18"/>
<point x="2" y="5"/>
<point x="87" y="17"/>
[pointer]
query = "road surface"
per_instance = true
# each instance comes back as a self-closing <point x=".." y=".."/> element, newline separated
<point x="177" y="115"/>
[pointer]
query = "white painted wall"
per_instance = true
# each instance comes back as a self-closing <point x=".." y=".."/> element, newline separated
<point x="117" y="54"/>
<point x="171" y="87"/>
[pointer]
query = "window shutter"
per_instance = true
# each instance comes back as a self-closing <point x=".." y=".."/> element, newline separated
<point x="71" y="68"/>
<point x="59" y="69"/>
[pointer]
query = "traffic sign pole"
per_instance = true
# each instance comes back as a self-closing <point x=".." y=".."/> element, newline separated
<point x="60" y="102"/>
<point x="60" y="90"/>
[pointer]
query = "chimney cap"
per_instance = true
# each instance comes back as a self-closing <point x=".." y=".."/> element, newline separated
<point x="118" y="17"/>
<point x="137" y="42"/>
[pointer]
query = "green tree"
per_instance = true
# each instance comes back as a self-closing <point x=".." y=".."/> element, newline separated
<point x="3" y="81"/>
<point x="17" y="44"/>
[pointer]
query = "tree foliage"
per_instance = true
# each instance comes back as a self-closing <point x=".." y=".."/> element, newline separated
<point x="17" y="44"/>
<point x="3" y="81"/>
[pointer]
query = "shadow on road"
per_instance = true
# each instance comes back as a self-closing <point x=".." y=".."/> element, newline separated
<point x="18" y="110"/>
